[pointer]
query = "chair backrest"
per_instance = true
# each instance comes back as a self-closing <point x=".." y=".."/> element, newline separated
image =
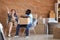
<point x="34" y="20"/>
<point x="35" y="16"/>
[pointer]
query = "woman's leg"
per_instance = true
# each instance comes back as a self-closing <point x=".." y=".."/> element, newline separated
<point x="10" y="28"/>
<point x="15" y="24"/>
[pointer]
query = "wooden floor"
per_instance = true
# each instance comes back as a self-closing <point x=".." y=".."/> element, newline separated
<point x="33" y="37"/>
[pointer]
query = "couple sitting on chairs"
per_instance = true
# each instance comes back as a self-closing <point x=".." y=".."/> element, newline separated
<point x="13" y="20"/>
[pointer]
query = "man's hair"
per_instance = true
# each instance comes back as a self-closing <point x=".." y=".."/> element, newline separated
<point x="28" y="11"/>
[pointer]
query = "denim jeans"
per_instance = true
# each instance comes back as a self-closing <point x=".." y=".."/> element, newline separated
<point x="26" y="31"/>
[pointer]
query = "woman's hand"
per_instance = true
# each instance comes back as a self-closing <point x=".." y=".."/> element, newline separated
<point x="8" y="10"/>
<point x="13" y="18"/>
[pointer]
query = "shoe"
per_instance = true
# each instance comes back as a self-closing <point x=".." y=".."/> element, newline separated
<point x="16" y="36"/>
<point x="9" y="35"/>
<point x="27" y="36"/>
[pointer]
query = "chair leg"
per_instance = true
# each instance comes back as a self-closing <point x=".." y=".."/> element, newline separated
<point x="29" y="32"/>
<point x="34" y="31"/>
<point x="23" y="32"/>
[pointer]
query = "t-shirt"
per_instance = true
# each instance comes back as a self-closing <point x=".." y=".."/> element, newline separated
<point x="31" y="18"/>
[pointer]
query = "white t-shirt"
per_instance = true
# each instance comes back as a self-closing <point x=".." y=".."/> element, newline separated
<point x="31" y="18"/>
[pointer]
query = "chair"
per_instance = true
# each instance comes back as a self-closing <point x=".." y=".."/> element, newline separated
<point x="34" y="24"/>
<point x="7" y="29"/>
<point x="32" y="27"/>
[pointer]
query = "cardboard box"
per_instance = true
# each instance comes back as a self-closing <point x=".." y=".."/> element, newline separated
<point x="23" y="20"/>
<point x="56" y="33"/>
<point x="52" y="14"/>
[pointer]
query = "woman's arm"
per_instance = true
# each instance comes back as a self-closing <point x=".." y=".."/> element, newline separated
<point x="8" y="10"/>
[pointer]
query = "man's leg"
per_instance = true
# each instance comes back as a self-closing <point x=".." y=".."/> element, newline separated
<point x="17" y="30"/>
<point x="27" y="29"/>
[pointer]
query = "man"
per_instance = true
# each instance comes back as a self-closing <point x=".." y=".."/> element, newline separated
<point x="28" y="14"/>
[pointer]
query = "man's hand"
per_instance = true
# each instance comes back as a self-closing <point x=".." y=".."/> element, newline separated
<point x="24" y="16"/>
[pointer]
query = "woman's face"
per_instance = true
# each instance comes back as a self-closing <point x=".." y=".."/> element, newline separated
<point x="13" y="11"/>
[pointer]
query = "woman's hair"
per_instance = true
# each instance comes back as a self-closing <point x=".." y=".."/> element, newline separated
<point x="13" y="10"/>
<point x="28" y="11"/>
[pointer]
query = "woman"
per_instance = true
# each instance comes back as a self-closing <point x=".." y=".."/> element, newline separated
<point x="12" y="20"/>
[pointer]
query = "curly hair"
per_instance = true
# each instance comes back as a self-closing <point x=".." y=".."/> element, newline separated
<point x="28" y="11"/>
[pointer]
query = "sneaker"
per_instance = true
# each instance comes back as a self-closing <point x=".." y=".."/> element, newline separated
<point x="27" y="36"/>
<point x="9" y="35"/>
<point x="16" y="36"/>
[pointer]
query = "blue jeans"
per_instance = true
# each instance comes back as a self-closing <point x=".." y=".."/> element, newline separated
<point x="26" y="31"/>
